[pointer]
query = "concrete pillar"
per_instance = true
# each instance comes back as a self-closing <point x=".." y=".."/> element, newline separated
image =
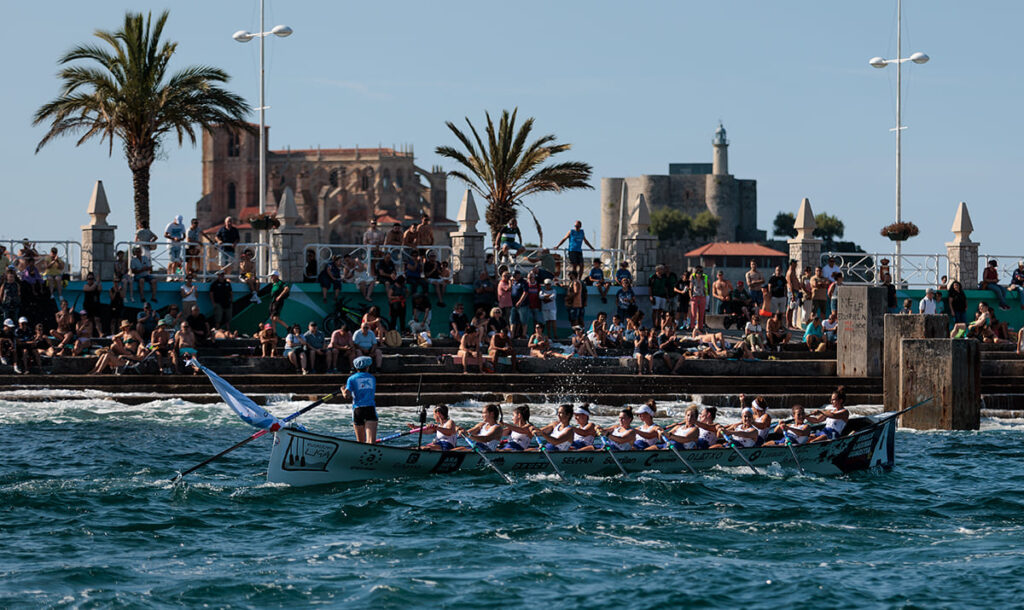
<point x="896" y="328"/>
<point x="98" y="254"/>
<point x="467" y="243"/>
<point x="962" y="253"/>
<point x="859" y="350"/>
<point x="949" y="372"/>
<point x="287" y="255"/>
<point x="805" y="249"/>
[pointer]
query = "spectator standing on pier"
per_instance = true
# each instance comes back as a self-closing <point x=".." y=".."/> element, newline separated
<point x="831" y="269"/>
<point x="373" y="236"/>
<point x="682" y="296"/>
<point x="10" y="295"/>
<point x="819" y="293"/>
<point x="576" y="238"/>
<point x="928" y="303"/>
<point x="425" y="234"/>
<point x="227" y="239"/>
<point x="91" y="299"/>
<point x="720" y="290"/>
<point x="115" y="310"/>
<point x="520" y="305"/>
<point x="222" y="301"/>
<point x="145" y="237"/>
<point x="53" y="273"/>
<point x="660" y="289"/>
<point x="394" y="236"/>
<point x="483" y="292"/>
<point x="795" y="289"/>
<point x="503" y="290"/>
<point x="330" y="278"/>
<point x="194" y="238"/>
<point x="175" y="232"/>
<point x="279" y="292"/>
<point x="142" y="272"/>
<point x="574" y="299"/>
<point x="777" y="284"/>
<point x="754" y="282"/>
<point x="189" y="294"/>
<point x="956" y="302"/>
<point x="549" y="308"/>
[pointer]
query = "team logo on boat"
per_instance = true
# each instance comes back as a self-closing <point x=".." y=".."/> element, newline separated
<point x="308" y="454"/>
<point x="370" y="457"/>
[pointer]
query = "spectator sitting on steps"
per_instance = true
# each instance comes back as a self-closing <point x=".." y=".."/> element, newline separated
<point x="367" y="344"/>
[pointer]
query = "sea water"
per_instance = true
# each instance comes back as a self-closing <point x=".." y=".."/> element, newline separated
<point x="89" y="519"/>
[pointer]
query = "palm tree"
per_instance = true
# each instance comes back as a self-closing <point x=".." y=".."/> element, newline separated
<point x="128" y="95"/>
<point x="507" y="169"/>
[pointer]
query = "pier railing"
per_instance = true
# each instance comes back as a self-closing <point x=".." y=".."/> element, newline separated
<point x="367" y="254"/>
<point x="202" y="260"/>
<point x="529" y="258"/>
<point x="867" y="268"/>
<point x="69" y="251"/>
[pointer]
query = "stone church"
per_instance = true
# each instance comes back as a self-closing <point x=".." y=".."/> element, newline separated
<point x="336" y="190"/>
<point x="690" y="188"/>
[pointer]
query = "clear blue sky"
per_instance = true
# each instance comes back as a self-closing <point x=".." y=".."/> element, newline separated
<point x="633" y="86"/>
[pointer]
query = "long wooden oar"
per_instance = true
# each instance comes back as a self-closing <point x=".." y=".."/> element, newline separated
<point x="543" y="449"/>
<point x="255" y="436"/>
<point x="392" y="437"/>
<point x="608" y="448"/>
<point x="486" y="460"/>
<point x="732" y="445"/>
<point x="793" y="452"/>
<point x="671" y="445"/>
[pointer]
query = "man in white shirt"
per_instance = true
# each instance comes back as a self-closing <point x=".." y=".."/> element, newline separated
<point x="928" y="303"/>
<point x="366" y="344"/>
<point x="830" y="269"/>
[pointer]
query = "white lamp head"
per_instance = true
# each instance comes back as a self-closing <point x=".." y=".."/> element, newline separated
<point x="283" y="31"/>
<point x="242" y="36"/>
<point x="919" y="58"/>
<point x="878" y="62"/>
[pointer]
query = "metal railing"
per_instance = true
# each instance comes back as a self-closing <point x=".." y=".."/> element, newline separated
<point x="368" y="254"/>
<point x="1005" y="264"/>
<point x="69" y="251"/>
<point x="532" y="257"/>
<point x="202" y="260"/>
<point x="918" y="270"/>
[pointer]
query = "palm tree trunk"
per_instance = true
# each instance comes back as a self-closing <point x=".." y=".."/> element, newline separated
<point x="140" y="163"/>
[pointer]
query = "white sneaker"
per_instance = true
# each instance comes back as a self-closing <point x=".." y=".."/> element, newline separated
<point x="17" y="371"/>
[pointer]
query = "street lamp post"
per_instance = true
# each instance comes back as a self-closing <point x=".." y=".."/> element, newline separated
<point x="244" y="36"/>
<point x="878" y="62"/>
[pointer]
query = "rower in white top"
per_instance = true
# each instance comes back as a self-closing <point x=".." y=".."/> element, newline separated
<point x="647" y="434"/>
<point x="445" y="435"/>
<point x="743" y="433"/>
<point x="487" y="434"/>
<point x="835" y="418"/>
<point x="559" y="434"/>
<point x="797" y="433"/>
<point x="520" y="431"/>
<point x="622" y="435"/>
<point x="585" y="431"/>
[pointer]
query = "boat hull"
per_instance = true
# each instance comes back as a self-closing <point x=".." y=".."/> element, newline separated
<point x="302" y="458"/>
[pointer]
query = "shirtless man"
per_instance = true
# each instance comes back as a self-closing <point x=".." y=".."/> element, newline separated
<point x="501" y="346"/>
<point x="184" y="346"/>
<point x="720" y="290"/>
<point x="65" y="331"/>
<point x="160" y="340"/>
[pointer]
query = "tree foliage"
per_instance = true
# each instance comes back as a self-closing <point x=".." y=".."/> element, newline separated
<point x="784" y="225"/>
<point x="121" y="90"/>
<point x="828" y="229"/>
<point x="670" y="223"/>
<point x="505" y="169"/>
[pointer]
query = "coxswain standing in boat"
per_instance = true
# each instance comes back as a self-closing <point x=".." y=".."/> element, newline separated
<point x="559" y="433"/>
<point x="520" y="431"/>
<point x="361" y="387"/>
<point x="584" y="432"/>
<point x="743" y="433"/>
<point x="798" y="432"/>
<point x="648" y="433"/>
<point x="488" y="432"/>
<point x="622" y="435"/>
<point x="835" y="418"/>
<point x="445" y="436"/>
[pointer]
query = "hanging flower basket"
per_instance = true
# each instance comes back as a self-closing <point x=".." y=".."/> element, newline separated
<point x="900" y="231"/>
<point x="264" y="222"/>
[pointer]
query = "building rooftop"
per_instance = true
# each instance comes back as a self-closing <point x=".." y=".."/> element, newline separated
<point x="734" y="249"/>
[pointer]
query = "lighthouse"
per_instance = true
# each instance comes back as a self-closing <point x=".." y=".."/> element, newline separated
<point x="720" y="162"/>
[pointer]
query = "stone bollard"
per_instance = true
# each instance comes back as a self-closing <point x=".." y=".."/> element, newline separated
<point x="896" y="328"/>
<point x="949" y="372"/>
<point x="859" y="350"/>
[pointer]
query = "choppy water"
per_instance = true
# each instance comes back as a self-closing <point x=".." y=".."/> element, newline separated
<point x="88" y="519"/>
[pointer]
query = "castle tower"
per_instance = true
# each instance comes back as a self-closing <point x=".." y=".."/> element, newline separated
<point x="722" y="191"/>
<point x="720" y="162"/>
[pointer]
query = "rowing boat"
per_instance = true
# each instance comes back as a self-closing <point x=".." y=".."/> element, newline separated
<point x="301" y="458"/>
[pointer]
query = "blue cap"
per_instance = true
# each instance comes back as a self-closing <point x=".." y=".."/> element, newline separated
<point x="362" y="362"/>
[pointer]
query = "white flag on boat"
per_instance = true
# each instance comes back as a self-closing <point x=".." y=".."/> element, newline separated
<point x="250" y="412"/>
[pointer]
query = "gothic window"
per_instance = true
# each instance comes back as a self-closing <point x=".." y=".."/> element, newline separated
<point x="234" y="144"/>
<point x="365" y="181"/>
<point x="232" y="196"/>
<point x="337" y="176"/>
<point x="399" y="178"/>
<point x="385" y="178"/>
